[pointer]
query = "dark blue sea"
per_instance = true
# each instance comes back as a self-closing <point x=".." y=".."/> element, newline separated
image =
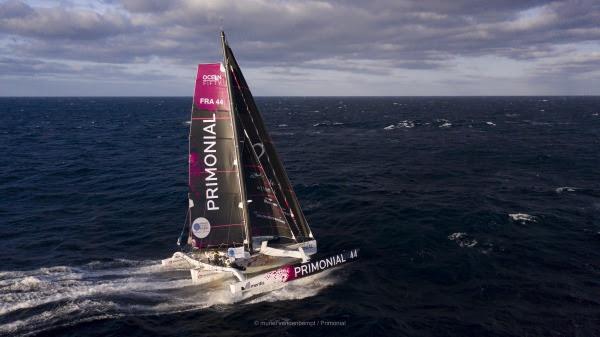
<point x="475" y="216"/>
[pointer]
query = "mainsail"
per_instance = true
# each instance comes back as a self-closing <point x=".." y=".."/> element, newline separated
<point x="238" y="188"/>
<point x="215" y="191"/>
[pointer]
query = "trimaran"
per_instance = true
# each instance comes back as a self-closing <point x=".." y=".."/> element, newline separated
<point x="244" y="226"/>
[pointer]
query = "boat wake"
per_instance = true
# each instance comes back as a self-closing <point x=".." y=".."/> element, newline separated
<point x="47" y="298"/>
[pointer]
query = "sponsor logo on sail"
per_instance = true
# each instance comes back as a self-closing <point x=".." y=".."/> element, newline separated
<point x="211" y="181"/>
<point x="212" y="79"/>
<point x="201" y="227"/>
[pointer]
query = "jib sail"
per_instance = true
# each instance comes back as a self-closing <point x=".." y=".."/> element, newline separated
<point x="275" y="205"/>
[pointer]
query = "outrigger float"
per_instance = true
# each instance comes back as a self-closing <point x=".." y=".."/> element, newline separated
<point x="244" y="221"/>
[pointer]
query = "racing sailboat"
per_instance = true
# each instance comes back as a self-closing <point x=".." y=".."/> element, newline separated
<point x="244" y="221"/>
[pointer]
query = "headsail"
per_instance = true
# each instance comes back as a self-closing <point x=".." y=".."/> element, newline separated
<point x="281" y="198"/>
<point x="215" y="192"/>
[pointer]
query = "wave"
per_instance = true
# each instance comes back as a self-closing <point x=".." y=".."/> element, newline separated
<point x="46" y="298"/>
<point x="328" y="123"/>
<point x="560" y="190"/>
<point x="408" y="124"/>
<point x="522" y="217"/>
<point x="463" y="240"/>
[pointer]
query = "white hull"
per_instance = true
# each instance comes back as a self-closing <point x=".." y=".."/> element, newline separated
<point x="261" y="278"/>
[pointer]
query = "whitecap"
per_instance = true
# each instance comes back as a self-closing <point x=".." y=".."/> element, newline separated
<point x="463" y="240"/>
<point x="490" y="123"/>
<point x="565" y="189"/>
<point x="522" y="217"/>
<point x="446" y="125"/>
<point x="328" y="123"/>
<point x="406" y="124"/>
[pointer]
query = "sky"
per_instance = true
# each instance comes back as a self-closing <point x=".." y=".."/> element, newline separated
<point x="302" y="48"/>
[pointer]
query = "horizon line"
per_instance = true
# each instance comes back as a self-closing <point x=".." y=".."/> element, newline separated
<point x="301" y="96"/>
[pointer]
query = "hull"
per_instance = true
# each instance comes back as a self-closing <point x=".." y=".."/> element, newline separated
<point x="279" y="277"/>
<point x="261" y="264"/>
<point x="270" y="274"/>
<point x="203" y="267"/>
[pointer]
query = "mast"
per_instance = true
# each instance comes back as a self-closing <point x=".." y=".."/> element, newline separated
<point x="240" y="166"/>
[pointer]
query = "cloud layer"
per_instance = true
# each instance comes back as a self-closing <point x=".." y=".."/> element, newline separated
<point x="422" y="47"/>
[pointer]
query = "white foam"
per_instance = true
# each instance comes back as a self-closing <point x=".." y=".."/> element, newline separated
<point x="406" y="124"/>
<point x="463" y="240"/>
<point x="402" y="124"/>
<point x="522" y="217"/>
<point x="565" y="189"/>
<point x="490" y="123"/>
<point x="46" y="298"/>
<point x="446" y="125"/>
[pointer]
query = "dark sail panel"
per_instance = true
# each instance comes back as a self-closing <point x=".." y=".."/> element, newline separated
<point x="216" y="219"/>
<point x="252" y="122"/>
<point x="265" y="213"/>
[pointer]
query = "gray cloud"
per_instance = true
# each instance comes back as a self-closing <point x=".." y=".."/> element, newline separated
<point x="36" y="68"/>
<point x="19" y="19"/>
<point x="380" y="36"/>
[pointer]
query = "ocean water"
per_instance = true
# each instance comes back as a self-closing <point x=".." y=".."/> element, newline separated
<point x="475" y="216"/>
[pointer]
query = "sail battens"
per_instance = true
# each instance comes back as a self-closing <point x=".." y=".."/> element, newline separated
<point x="228" y="225"/>
<point x="212" y="118"/>
<point x="217" y="171"/>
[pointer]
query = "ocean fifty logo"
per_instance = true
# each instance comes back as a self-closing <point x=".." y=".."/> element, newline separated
<point x="210" y="80"/>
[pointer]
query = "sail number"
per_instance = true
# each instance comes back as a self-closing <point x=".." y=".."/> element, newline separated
<point x="204" y="100"/>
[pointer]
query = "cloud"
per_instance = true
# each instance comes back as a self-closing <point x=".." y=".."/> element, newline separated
<point x="377" y="37"/>
<point x="19" y="19"/>
<point x="38" y="68"/>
